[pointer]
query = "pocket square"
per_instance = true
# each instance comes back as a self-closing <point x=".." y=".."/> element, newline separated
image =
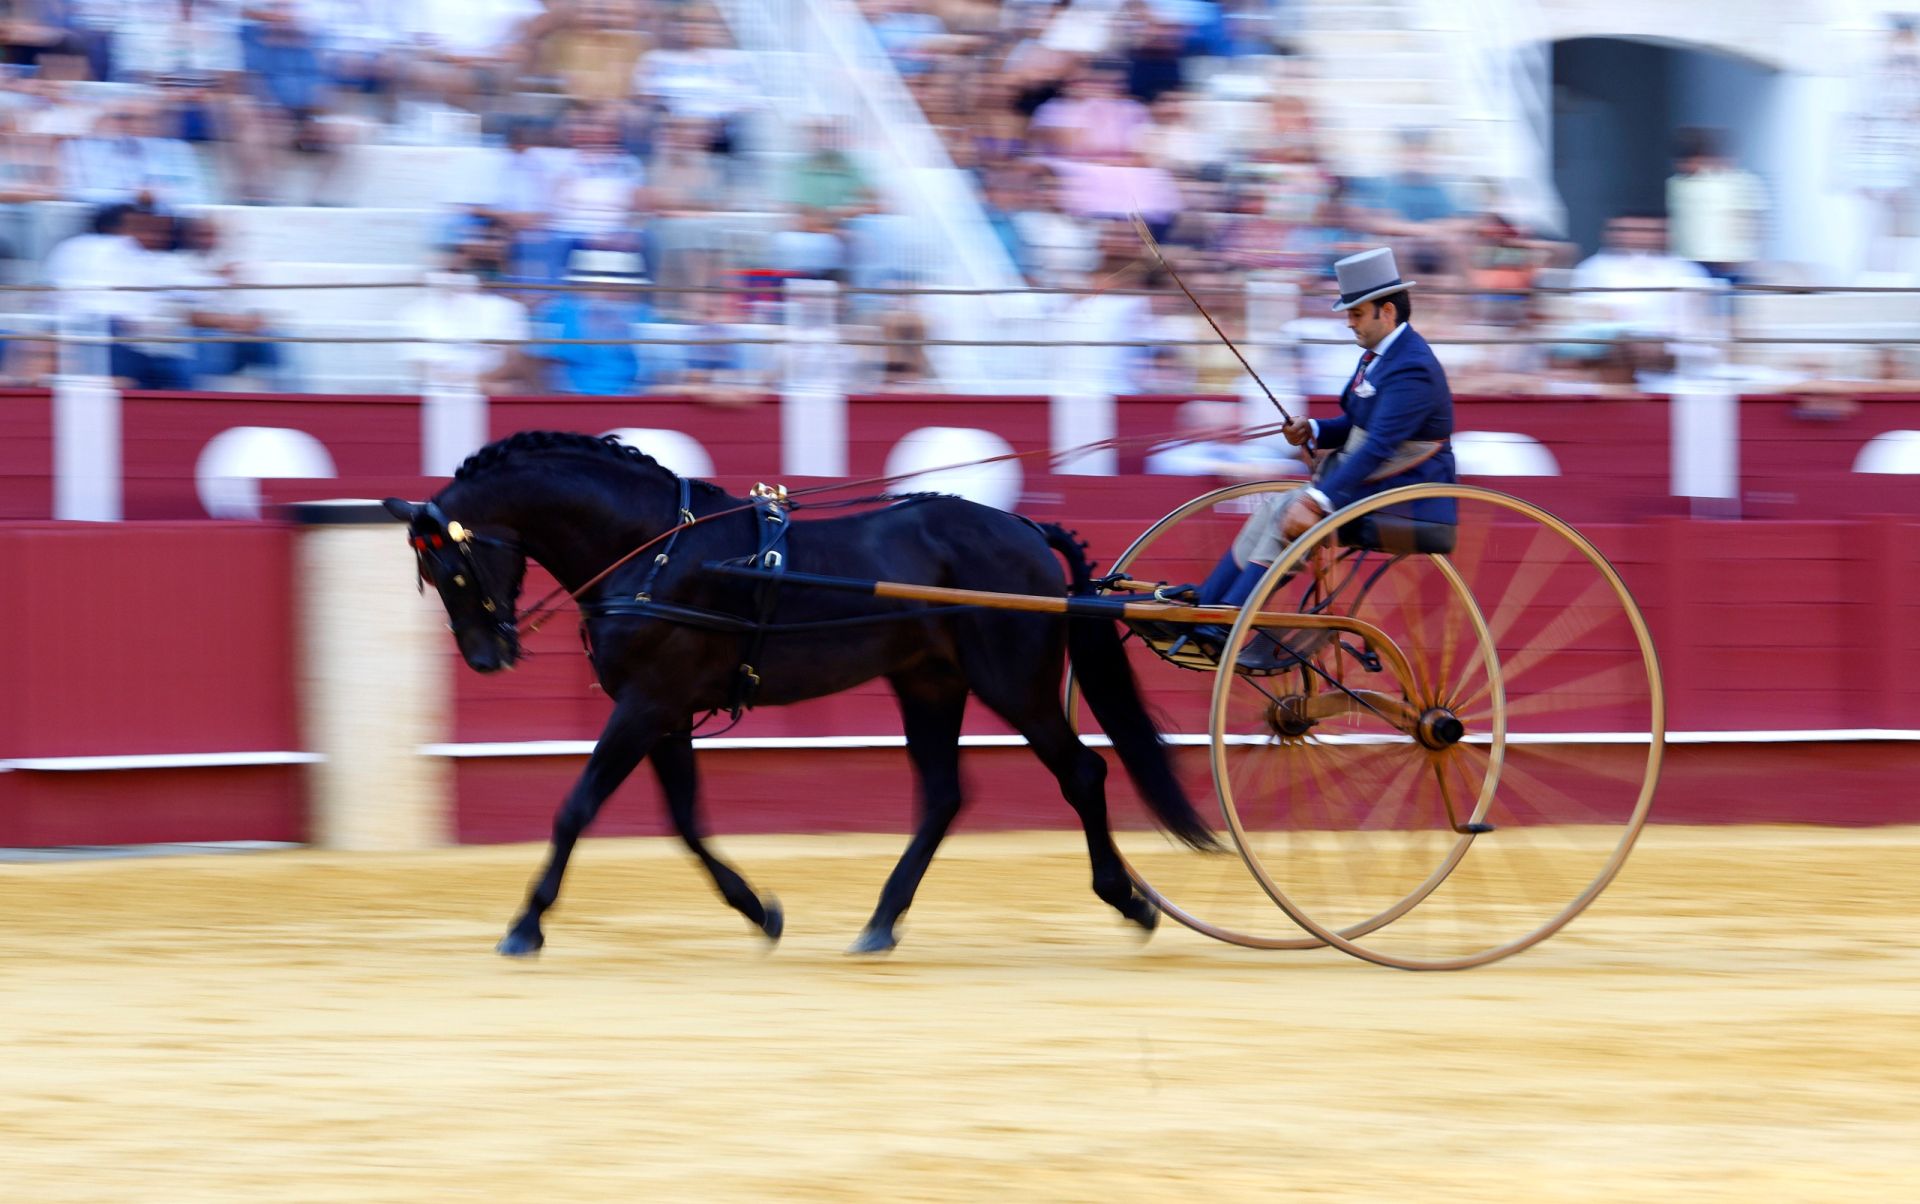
<point x="1364" y="389"/>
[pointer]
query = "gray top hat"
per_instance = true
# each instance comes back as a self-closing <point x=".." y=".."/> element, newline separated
<point x="1368" y="276"/>
<point x="606" y="267"/>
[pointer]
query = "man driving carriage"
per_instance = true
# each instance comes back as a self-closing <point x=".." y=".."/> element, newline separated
<point x="1396" y="414"/>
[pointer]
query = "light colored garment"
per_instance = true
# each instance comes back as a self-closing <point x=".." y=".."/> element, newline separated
<point x="511" y="182"/>
<point x="457" y="311"/>
<point x="1096" y="127"/>
<point x="593" y="191"/>
<point x="153" y="40"/>
<point x="88" y="262"/>
<point x="469" y="28"/>
<point x="84" y="268"/>
<point x="1260" y="540"/>
<point x="1717" y="215"/>
<point x="1111" y="190"/>
<point x="107" y="171"/>
<point x="1104" y="318"/>
<point x="709" y="83"/>
<point x="1061" y="250"/>
<point x="1663" y="314"/>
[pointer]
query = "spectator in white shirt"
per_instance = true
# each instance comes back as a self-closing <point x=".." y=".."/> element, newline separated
<point x="454" y="310"/>
<point x="1719" y="209"/>
<point x="200" y="271"/>
<point x="693" y="72"/>
<point x="108" y="278"/>
<point x="1643" y="324"/>
<point x="464" y="51"/>
<point x="510" y="191"/>
<point x="597" y="186"/>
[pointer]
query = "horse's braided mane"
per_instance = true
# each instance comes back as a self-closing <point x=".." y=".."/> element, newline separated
<point x="523" y="443"/>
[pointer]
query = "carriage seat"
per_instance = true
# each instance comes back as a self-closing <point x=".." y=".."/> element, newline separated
<point x="1399" y="535"/>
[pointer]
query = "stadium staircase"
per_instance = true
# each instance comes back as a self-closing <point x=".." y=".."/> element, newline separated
<point x="822" y="58"/>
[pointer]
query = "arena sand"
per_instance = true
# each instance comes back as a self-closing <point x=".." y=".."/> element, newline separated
<point x="1738" y="1019"/>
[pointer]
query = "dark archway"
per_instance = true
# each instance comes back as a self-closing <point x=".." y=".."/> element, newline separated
<point x="1617" y="103"/>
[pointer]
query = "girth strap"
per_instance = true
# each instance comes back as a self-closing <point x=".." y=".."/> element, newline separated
<point x="770" y="514"/>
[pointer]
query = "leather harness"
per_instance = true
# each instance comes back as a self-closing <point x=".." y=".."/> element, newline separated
<point x="770" y="509"/>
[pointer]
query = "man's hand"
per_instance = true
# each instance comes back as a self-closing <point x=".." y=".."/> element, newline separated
<point x="1301" y="513"/>
<point x="1299" y="432"/>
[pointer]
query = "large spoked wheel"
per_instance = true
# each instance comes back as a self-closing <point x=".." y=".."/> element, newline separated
<point x="1209" y="893"/>
<point x="1456" y="768"/>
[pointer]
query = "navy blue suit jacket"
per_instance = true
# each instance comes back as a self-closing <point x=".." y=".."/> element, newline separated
<point x="1410" y="400"/>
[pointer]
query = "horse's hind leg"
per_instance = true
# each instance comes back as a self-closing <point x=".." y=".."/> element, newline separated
<point x="629" y="733"/>
<point x="673" y="764"/>
<point x="931" y="709"/>
<point x="1033" y="709"/>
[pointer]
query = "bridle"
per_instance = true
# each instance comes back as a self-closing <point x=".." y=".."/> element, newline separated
<point x="471" y="573"/>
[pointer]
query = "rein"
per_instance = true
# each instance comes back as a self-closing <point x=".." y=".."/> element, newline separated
<point x="533" y="616"/>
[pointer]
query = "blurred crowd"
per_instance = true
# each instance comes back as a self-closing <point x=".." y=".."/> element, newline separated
<point x="621" y="135"/>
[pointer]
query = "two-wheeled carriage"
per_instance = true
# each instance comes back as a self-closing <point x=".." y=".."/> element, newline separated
<point x="1433" y="744"/>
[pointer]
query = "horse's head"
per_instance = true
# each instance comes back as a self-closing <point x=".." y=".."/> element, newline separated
<point x="478" y="577"/>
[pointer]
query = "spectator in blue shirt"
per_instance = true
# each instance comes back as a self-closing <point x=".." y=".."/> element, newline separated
<point x="1415" y="193"/>
<point x="614" y="312"/>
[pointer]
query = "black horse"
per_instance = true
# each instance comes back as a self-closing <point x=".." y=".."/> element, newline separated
<point x="577" y="504"/>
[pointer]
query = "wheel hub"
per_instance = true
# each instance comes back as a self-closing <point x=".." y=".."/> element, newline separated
<point x="1287" y="717"/>
<point x="1439" y="729"/>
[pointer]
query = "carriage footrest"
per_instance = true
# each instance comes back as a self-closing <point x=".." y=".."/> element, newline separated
<point x="1188" y="646"/>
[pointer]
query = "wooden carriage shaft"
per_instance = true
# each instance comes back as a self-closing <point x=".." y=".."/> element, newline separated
<point x="1092" y="608"/>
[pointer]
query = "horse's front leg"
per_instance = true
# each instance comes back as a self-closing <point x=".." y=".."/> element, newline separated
<point x="673" y="764"/>
<point x="631" y="730"/>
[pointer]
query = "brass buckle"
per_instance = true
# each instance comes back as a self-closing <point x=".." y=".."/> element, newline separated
<point x="777" y="494"/>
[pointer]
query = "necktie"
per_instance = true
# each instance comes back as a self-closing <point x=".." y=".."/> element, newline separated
<point x="1360" y="373"/>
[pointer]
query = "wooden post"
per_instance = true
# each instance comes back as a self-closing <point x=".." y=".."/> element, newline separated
<point x="376" y="680"/>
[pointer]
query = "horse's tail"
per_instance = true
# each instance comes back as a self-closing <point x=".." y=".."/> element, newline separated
<point x="1100" y="662"/>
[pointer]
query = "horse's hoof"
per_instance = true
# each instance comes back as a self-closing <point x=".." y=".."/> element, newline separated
<point x="1145" y="914"/>
<point x="776" y="921"/>
<point x="516" y="944"/>
<point x="874" y="940"/>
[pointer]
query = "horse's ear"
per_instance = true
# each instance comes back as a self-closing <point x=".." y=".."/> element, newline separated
<point x="402" y="510"/>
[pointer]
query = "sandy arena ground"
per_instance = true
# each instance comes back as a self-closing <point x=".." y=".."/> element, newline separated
<point x="1737" y="1019"/>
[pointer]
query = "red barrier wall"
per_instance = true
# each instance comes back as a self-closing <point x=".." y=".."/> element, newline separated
<point x="162" y="435"/>
<point x="1793" y="465"/>
<point x="1614" y="453"/>
<point x="175" y="637"/>
<point x="26" y="454"/>
<point x="141" y="638"/>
